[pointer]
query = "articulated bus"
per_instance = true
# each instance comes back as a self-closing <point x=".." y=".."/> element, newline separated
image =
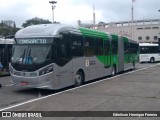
<point x="54" y="56"/>
<point x="149" y="52"/>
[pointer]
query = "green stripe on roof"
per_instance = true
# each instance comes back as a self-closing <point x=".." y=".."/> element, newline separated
<point x="93" y="33"/>
<point x="114" y="37"/>
<point x="125" y="39"/>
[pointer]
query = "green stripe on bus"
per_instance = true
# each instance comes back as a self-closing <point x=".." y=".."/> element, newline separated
<point x="114" y="37"/>
<point x="93" y="33"/>
<point x="108" y="60"/>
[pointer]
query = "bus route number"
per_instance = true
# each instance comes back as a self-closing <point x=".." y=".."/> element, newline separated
<point x="87" y="63"/>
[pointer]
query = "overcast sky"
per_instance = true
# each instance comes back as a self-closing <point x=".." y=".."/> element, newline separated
<point x="69" y="11"/>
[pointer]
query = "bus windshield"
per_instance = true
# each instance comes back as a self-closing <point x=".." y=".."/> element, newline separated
<point x="31" y="54"/>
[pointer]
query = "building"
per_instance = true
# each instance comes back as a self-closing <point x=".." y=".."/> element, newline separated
<point x="143" y="30"/>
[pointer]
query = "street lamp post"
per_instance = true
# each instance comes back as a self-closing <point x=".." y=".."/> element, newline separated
<point x="94" y="17"/>
<point x="132" y="29"/>
<point x="53" y="7"/>
<point x="159" y="19"/>
<point x="159" y="33"/>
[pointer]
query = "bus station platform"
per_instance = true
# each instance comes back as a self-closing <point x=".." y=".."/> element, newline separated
<point x="137" y="90"/>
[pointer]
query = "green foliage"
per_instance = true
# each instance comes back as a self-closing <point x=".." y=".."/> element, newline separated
<point x="35" y="21"/>
<point x="6" y="30"/>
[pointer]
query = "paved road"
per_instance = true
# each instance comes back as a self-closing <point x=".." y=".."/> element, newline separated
<point x="135" y="91"/>
<point x="10" y="95"/>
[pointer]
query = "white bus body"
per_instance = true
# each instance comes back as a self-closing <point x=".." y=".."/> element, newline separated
<point x="149" y="52"/>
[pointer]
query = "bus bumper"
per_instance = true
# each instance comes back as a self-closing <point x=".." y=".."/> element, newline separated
<point x="34" y="82"/>
<point x="42" y="82"/>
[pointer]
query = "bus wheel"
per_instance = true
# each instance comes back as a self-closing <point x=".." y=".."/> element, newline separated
<point x="113" y="71"/>
<point x="79" y="79"/>
<point x="152" y="60"/>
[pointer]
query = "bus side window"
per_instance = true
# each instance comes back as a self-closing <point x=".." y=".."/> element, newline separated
<point x="134" y="48"/>
<point x="77" y="45"/>
<point x="142" y="49"/>
<point x="106" y="47"/>
<point x="98" y="46"/>
<point x="89" y="46"/>
<point x="64" y="49"/>
<point x="114" y="47"/>
<point x="126" y="47"/>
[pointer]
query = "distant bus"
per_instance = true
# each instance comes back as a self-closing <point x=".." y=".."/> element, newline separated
<point x="5" y="53"/>
<point x="54" y="56"/>
<point x="149" y="52"/>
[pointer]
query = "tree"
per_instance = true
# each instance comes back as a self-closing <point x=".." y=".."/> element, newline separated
<point x="14" y="25"/>
<point x="6" y="30"/>
<point x="35" y="21"/>
<point x="2" y="24"/>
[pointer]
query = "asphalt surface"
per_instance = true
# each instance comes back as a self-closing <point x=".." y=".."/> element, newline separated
<point x="10" y="95"/>
<point x="135" y="91"/>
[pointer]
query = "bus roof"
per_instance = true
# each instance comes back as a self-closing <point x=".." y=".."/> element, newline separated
<point x="53" y="30"/>
<point x="125" y="39"/>
<point x="6" y="41"/>
<point x="94" y="33"/>
<point x="42" y="30"/>
<point x="147" y="44"/>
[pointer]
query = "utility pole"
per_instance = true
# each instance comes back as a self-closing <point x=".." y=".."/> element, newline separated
<point x="132" y="31"/>
<point x="159" y="33"/>
<point x="94" y="17"/>
<point x="53" y="7"/>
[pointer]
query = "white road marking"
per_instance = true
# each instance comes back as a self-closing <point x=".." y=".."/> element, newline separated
<point x="32" y="100"/>
<point x="9" y="85"/>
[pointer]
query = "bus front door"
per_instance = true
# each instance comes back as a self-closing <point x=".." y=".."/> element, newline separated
<point x="64" y="61"/>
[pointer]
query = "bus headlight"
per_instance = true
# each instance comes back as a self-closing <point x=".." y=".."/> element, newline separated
<point x="46" y="70"/>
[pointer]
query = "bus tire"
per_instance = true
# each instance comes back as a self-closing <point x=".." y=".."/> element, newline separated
<point x="113" y="73"/>
<point x="79" y="79"/>
<point x="152" y="60"/>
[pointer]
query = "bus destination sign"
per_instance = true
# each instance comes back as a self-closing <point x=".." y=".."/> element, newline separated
<point x="34" y="41"/>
